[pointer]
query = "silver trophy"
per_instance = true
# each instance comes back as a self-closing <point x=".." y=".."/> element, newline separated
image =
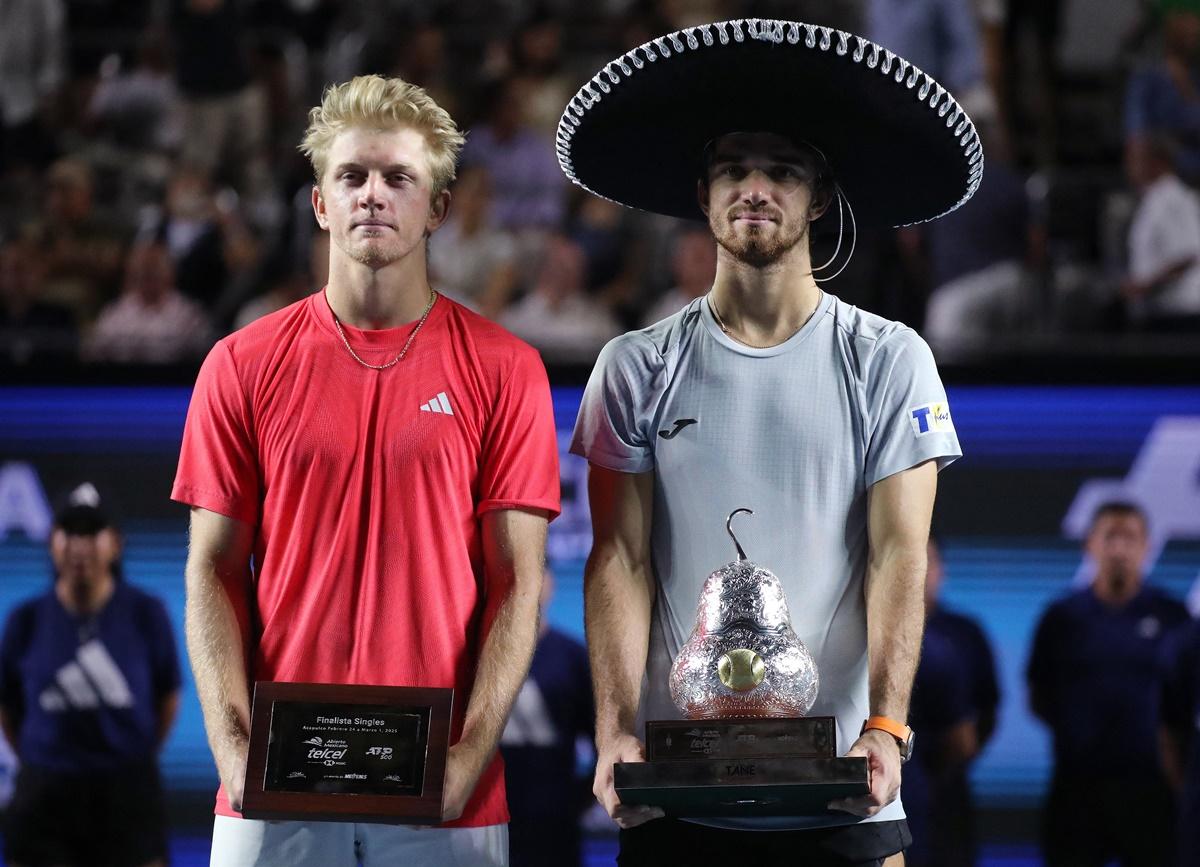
<point x="743" y="659"/>
<point x="745" y="683"/>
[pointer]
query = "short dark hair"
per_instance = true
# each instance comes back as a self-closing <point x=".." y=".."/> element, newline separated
<point x="1120" y="509"/>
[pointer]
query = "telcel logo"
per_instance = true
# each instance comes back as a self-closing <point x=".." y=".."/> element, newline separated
<point x="326" y="754"/>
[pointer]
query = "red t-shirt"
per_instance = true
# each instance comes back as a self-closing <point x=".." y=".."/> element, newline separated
<point x="366" y="488"/>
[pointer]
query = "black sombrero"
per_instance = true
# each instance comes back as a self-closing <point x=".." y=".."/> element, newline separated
<point x="901" y="148"/>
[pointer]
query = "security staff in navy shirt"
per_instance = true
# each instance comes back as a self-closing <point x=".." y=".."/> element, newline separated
<point x="89" y="687"/>
<point x="553" y="712"/>
<point x="955" y="697"/>
<point x="1179" y="724"/>
<point x="1093" y="679"/>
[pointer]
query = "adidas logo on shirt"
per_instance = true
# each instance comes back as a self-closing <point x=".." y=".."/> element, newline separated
<point x="90" y="680"/>
<point x="440" y="404"/>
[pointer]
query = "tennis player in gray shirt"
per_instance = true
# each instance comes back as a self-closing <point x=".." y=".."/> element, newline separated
<point x="829" y="422"/>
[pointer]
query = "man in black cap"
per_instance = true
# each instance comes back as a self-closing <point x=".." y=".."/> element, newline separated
<point x="89" y="688"/>
<point x="769" y="393"/>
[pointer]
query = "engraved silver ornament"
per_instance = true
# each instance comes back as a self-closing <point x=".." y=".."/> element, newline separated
<point x="742" y="658"/>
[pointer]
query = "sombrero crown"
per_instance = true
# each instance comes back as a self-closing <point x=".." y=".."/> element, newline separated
<point x="899" y="145"/>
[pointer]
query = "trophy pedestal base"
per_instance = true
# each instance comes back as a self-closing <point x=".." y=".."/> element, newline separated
<point x="747" y="766"/>
<point x="741" y="787"/>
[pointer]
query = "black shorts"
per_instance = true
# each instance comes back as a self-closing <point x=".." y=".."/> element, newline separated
<point x="107" y="819"/>
<point x="672" y="841"/>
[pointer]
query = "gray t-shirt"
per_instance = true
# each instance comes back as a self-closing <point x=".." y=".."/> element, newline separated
<point x="798" y="433"/>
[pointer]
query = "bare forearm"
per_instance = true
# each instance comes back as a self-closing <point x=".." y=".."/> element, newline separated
<point x="503" y="664"/>
<point x="618" y="599"/>
<point x="895" y="623"/>
<point x="216" y="643"/>
<point x="514" y="554"/>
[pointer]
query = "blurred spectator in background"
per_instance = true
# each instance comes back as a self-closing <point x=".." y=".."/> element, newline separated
<point x="1164" y="95"/>
<point x="557" y="316"/>
<point x="89" y="688"/>
<point x="32" y="69"/>
<point x="694" y="266"/>
<point x="537" y="64"/>
<point x="613" y="248"/>
<point x="216" y="255"/>
<point x="423" y="59"/>
<point x="1030" y="97"/>
<point x="470" y="260"/>
<point x="30" y="328"/>
<point x="940" y="36"/>
<point x="187" y="225"/>
<point x="1180" y="713"/>
<point x="983" y="259"/>
<point x="82" y="248"/>
<point x="152" y="322"/>
<point x="528" y="189"/>
<point x="286" y="284"/>
<point x="137" y="109"/>
<point x="940" y="706"/>
<point x="954" y="700"/>
<point x="1162" y="289"/>
<point x="224" y="112"/>
<point x="552" y="716"/>
<point x="1093" y="679"/>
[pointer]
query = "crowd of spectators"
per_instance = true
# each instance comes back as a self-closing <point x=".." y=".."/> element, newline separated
<point x="152" y="197"/>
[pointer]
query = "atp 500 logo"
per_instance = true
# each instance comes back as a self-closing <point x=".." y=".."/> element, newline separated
<point x="384" y="753"/>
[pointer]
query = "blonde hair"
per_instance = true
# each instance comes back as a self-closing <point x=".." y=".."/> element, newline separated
<point x="383" y="103"/>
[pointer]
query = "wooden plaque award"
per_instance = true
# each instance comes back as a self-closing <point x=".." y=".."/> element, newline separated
<point x="347" y="753"/>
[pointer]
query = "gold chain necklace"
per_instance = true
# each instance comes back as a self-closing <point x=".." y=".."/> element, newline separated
<point x="712" y="305"/>
<point x="407" y="343"/>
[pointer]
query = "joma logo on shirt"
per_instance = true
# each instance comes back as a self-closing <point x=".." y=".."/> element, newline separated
<point x="931" y="418"/>
<point x="680" y="424"/>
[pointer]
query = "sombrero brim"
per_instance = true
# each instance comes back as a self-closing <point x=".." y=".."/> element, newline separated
<point x="901" y="147"/>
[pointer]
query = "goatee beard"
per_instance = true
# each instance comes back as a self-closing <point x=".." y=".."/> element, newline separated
<point x="756" y="251"/>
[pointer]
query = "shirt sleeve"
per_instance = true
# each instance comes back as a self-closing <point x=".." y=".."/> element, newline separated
<point x="908" y="415"/>
<point x="218" y="464"/>
<point x="614" y="427"/>
<point x="519" y="466"/>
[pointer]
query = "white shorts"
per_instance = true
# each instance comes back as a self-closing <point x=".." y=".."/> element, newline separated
<point x="255" y="843"/>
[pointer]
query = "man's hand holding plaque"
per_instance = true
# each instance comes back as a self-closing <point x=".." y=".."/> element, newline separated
<point x="616" y="749"/>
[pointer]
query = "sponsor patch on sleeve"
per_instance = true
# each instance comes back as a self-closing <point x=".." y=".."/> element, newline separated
<point x="931" y="418"/>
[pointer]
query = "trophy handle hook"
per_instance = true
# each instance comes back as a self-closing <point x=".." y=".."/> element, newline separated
<point x="729" y="530"/>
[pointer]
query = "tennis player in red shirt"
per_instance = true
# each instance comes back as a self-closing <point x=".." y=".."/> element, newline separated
<point x="371" y="471"/>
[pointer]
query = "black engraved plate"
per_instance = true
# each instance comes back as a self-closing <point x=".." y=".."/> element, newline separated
<point x="747" y="737"/>
<point x="348" y="748"/>
<point x="741" y="766"/>
<point x="745" y="787"/>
